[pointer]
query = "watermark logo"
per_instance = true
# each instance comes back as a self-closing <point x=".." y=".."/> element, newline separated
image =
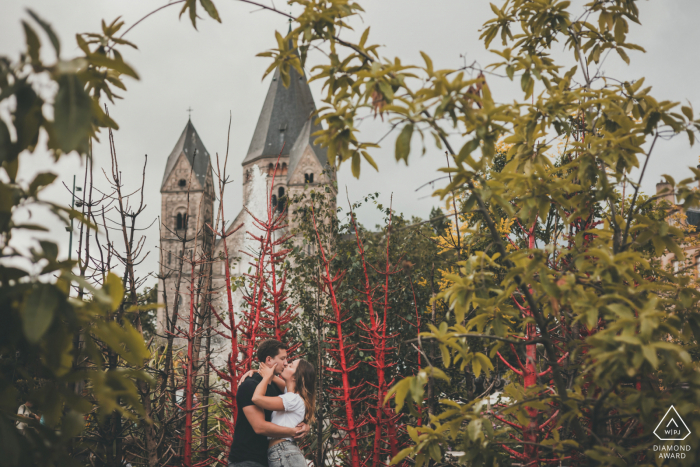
<point x="672" y="427"/>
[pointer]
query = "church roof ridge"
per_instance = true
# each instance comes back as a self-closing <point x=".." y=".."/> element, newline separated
<point x="188" y="143"/>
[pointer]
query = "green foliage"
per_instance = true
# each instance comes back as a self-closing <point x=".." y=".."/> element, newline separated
<point x="46" y="331"/>
<point x="617" y="331"/>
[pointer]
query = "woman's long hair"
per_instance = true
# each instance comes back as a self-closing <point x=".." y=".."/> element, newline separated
<point x="305" y="380"/>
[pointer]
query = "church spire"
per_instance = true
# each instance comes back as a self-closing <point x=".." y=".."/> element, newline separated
<point x="189" y="143"/>
<point x="283" y="116"/>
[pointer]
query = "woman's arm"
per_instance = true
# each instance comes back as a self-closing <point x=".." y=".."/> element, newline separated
<point x="280" y="383"/>
<point x="259" y="397"/>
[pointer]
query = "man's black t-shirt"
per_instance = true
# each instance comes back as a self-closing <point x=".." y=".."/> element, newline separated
<point x="247" y="445"/>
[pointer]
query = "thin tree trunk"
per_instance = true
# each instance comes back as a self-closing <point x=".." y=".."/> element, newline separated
<point x="319" y="384"/>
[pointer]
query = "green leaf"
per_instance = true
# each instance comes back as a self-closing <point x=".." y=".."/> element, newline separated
<point x="48" y="30"/>
<point x="400" y="390"/>
<point x="623" y="55"/>
<point x="620" y="30"/>
<point x="72" y="115"/>
<point x="364" y="37"/>
<point x="525" y="81"/>
<point x="468" y="148"/>
<point x="38" y="311"/>
<point x="33" y="42"/>
<point x="434" y="451"/>
<point x="41" y="180"/>
<point x="99" y="60"/>
<point x="403" y="143"/>
<point x="190" y="5"/>
<point x="369" y="159"/>
<point x="209" y="7"/>
<point x="135" y="344"/>
<point x="50" y="249"/>
<point x="72" y="424"/>
<point x="115" y="289"/>
<point x="474" y="429"/>
<point x="476" y="367"/>
<point x="650" y="355"/>
<point x="355" y="165"/>
<point x="6" y="149"/>
<point x="687" y="111"/>
<point x="401" y="455"/>
<point x="428" y="62"/>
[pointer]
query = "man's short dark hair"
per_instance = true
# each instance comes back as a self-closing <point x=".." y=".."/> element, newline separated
<point x="269" y="348"/>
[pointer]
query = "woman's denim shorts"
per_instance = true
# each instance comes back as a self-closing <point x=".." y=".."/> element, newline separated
<point x="285" y="454"/>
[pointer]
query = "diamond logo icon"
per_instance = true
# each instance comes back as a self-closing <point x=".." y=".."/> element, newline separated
<point x="672" y="427"/>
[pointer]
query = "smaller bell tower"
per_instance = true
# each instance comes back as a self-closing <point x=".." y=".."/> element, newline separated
<point x="187" y="192"/>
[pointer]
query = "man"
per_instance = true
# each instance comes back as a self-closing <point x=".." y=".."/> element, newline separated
<point x="253" y="426"/>
<point x="25" y="411"/>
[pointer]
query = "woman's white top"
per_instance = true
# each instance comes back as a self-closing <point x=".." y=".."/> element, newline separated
<point x="293" y="413"/>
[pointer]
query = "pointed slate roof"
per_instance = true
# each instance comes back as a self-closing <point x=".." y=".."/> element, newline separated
<point x="299" y="147"/>
<point x="188" y="143"/>
<point x="284" y="115"/>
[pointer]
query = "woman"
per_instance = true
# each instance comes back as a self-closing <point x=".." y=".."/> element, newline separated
<point x="289" y="409"/>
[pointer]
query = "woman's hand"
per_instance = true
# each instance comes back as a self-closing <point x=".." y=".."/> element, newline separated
<point x="246" y="375"/>
<point x="301" y="430"/>
<point x="267" y="372"/>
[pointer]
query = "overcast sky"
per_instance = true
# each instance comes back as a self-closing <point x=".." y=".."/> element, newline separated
<point x="215" y="71"/>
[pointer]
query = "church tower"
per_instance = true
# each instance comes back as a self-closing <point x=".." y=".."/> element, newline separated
<point x="285" y="126"/>
<point x="188" y="173"/>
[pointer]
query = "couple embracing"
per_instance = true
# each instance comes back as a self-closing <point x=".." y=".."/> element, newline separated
<point x="275" y="407"/>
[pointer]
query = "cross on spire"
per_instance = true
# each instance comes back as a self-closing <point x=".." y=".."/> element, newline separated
<point x="189" y="113"/>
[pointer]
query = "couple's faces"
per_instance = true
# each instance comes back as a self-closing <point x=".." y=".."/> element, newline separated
<point x="290" y="370"/>
<point x="280" y="360"/>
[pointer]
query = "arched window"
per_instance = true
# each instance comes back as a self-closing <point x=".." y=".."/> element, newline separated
<point x="182" y="183"/>
<point x="181" y="221"/>
<point x="274" y="201"/>
<point x="270" y="168"/>
<point x="284" y="168"/>
<point x="309" y="178"/>
<point x="281" y="199"/>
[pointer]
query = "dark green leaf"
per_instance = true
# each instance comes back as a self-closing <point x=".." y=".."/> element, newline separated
<point x="72" y="115"/>
<point x="355" y="165"/>
<point x="33" y="42"/>
<point x="38" y="311"/>
<point x="6" y="147"/>
<point x="50" y="249"/>
<point x="41" y="180"/>
<point x="209" y="7"/>
<point x="403" y="143"/>
<point x="48" y="30"/>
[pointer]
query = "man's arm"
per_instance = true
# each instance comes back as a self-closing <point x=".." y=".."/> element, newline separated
<point x="256" y="418"/>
